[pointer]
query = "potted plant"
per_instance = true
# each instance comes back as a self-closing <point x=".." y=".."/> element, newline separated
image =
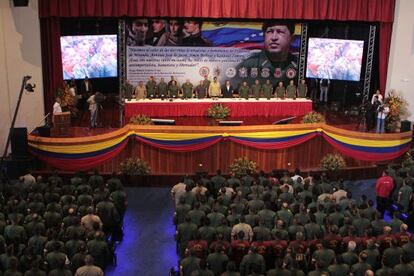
<point x="313" y="117"/>
<point x="133" y="168"/>
<point x="398" y="111"/>
<point x="218" y="111"/>
<point x="242" y="166"/>
<point x="140" y="119"/>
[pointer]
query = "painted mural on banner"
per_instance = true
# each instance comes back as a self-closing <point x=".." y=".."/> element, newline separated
<point x="235" y="51"/>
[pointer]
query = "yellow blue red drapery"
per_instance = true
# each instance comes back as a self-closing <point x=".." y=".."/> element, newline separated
<point x="84" y="153"/>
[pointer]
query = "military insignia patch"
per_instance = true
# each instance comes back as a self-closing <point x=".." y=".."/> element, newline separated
<point x="290" y="73"/>
<point x="265" y="73"/>
<point x="243" y="72"/>
<point x="204" y="71"/>
<point x="231" y="72"/>
<point x="278" y="73"/>
<point x="254" y="72"/>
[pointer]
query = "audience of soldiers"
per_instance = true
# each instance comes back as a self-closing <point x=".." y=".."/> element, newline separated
<point x="287" y="225"/>
<point x="57" y="227"/>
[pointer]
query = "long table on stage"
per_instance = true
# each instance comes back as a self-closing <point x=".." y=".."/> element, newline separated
<point x="198" y="107"/>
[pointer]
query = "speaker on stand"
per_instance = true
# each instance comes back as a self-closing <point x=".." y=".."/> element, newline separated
<point x="21" y="3"/>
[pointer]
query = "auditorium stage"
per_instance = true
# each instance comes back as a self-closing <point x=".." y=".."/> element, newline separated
<point x="178" y="150"/>
<point x="198" y="107"/>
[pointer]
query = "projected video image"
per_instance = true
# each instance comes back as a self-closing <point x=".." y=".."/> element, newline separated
<point x="94" y="56"/>
<point x="334" y="59"/>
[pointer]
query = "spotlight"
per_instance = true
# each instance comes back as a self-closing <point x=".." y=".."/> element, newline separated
<point x="30" y="87"/>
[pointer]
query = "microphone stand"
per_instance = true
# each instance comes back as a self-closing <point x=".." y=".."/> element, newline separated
<point x="24" y="82"/>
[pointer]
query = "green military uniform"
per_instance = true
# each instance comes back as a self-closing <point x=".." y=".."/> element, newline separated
<point x="360" y="268"/>
<point x="217" y="262"/>
<point x="185" y="233"/>
<point x="268" y="216"/>
<point x="217" y="182"/>
<point x="261" y="233"/>
<point x="225" y="231"/>
<point x="392" y="256"/>
<point x="244" y="92"/>
<point x="151" y="89"/>
<point x="215" y="218"/>
<point x="251" y="260"/>
<point x="267" y="90"/>
<point x="99" y="250"/>
<point x="291" y="91"/>
<point x="196" y="215"/>
<point x="361" y="224"/>
<point x="189" y="265"/>
<point x="324" y="256"/>
<point x="338" y="269"/>
<point x="181" y="210"/>
<point x="313" y="230"/>
<point x="127" y="89"/>
<point x="37" y="242"/>
<point x="233" y="182"/>
<point x="302" y="89"/>
<point x="207" y="233"/>
<point x="280" y="92"/>
<point x="55" y="259"/>
<point x="161" y="90"/>
<point x="349" y="258"/>
<point x="406" y="192"/>
<point x="187" y="90"/>
<point x="373" y="256"/>
<point x="206" y="83"/>
<point x="285" y="215"/>
<point x="256" y="89"/>
<point x="252" y="218"/>
<point x="173" y="91"/>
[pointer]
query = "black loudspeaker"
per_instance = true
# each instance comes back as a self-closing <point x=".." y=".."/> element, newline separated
<point x="19" y="167"/>
<point x="18" y="140"/>
<point x="21" y="3"/>
<point x="405" y="126"/>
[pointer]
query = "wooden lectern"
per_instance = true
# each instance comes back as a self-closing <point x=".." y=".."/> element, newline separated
<point x="61" y="124"/>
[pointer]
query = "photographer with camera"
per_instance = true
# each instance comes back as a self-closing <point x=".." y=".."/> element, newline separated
<point x="382" y="112"/>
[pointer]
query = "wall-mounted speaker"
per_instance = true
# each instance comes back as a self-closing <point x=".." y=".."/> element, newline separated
<point x="18" y="140"/>
<point x="21" y="3"/>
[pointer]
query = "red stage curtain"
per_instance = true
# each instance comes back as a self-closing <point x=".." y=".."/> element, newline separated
<point x="51" y="60"/>
<point x="367" y="10"/>
<point x="343" y="10"/>
<point x="384" y="53"/>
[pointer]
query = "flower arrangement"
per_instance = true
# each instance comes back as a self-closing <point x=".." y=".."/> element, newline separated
<point x="333" y="162"/>
<point x="313" y="117"/>
<point x="140" y="119"/>
<point x="242" y="166"/>
<point x="398" y="110"/>
<point x="134" y="166"/>
<point x="218" y="111"/>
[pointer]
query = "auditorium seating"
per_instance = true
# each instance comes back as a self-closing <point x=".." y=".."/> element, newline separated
<point x="290" y="224"/>
<point x="51" y="224"/>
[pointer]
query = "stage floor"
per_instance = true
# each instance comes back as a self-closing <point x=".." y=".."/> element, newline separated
<point x="109" y="121"/>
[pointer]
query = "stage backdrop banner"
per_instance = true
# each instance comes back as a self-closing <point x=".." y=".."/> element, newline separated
<point x="234" y="51"/>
